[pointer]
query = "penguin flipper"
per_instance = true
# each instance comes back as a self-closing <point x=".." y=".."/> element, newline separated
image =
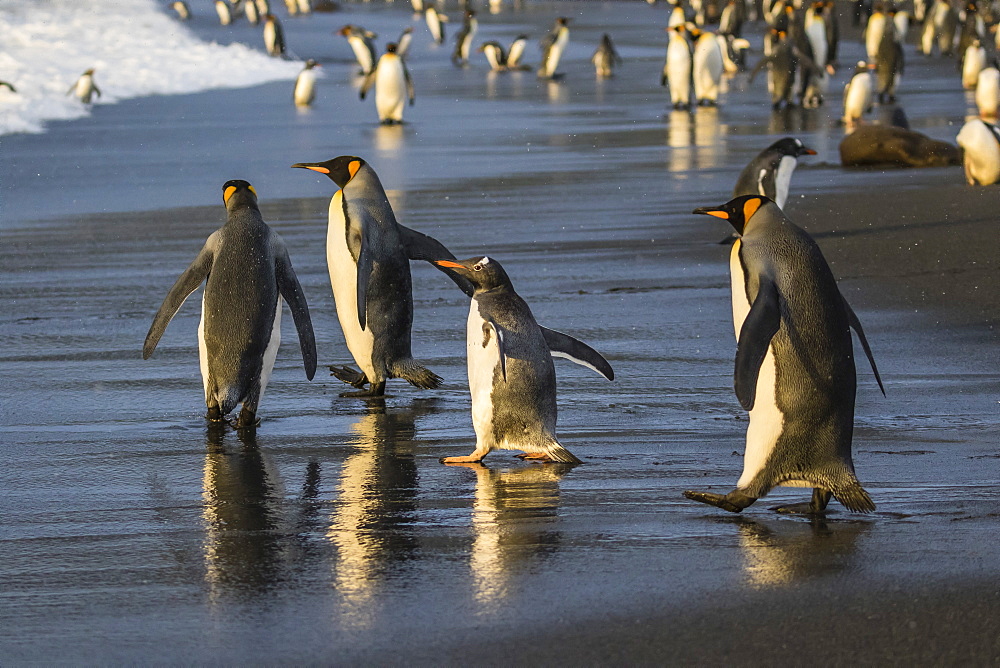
<point x="501" y="346"/>
<point x="291" y="292"/>
<point x="565" y="346"/>
<point x="420" y="246"/>
<point x="364" y="268"/>
<point x="755" y="337"/>
<point x="759" y="66"/>
<point x="187" y="283"/>
<point x="856" y="326"/>
<point x="410" y="92"/>
<point x="367" y="84"/>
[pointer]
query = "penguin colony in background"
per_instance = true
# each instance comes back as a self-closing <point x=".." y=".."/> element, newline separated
<point x="794" y="368"/>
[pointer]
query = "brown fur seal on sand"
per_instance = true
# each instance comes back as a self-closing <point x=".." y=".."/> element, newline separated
<point x="888" y="145"/>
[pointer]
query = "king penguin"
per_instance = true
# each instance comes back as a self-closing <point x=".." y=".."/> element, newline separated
<point x="677" y="68"/>
<point x="393" y="86"/>
<point x="463" y="39"/>
<point x="85" y="88"/>
<point x="794" y="369"/>
<point x="553" y="46"/>
<point x="980" y="143"/>
<point x="435" y="24"/>
<point x="305" y="85"/>
<point x="770" y="173"/>
<point x="706" y="68"/>
<point x="274" y="36"/>
<point x="368" y="256"/>
<point x="248" y="274"/>
<point x="360" y="41"/>
<point x="511" y="375"/>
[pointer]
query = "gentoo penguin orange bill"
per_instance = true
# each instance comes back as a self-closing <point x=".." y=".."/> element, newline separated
<point x="85" y="88"/>
<point x="368" y="254"/>
<point x="249" y="273"/>
<point x="511" y="375"/>
<point x="794" y="363"/>
<point x="980" y="142"/>
<point x="393" y="86"/>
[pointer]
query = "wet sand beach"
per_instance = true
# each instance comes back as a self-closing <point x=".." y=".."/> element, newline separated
<point x="132" y="532"/>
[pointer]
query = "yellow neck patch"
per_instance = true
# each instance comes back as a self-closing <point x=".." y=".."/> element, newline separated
<point x="353" y="167"/>
<point x="228" y="193"/>
<point x="750" y="208"/>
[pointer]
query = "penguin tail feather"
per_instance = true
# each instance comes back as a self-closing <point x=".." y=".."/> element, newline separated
<point x="855" y="498"/>
<point x="558" y="453"/>
<point x="415" y="374"/>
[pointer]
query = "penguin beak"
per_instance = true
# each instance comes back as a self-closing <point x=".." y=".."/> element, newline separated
<point x="311" y="165"/>
<point x="712" y="211"/>
<point x="808" y="151"/>
<point x="449" y="264"/>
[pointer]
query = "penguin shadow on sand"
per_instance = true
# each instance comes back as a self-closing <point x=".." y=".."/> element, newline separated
<point x="779" y="553"/>
<point x="514" y="526"/>
<point x="251" y="541"/>
<point x="374" y="505"/>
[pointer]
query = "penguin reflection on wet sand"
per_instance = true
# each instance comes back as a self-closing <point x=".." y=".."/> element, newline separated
<point x="393" y="86"/>
<point x="248" y="274"/>
<point x="794" y="369"/>
<point x="368" y="255"/>
<point x="511" y="375"/>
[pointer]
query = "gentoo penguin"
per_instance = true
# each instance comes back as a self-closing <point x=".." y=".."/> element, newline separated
<point x="305" y="85"/>
<point x="274" y="36"/>
<point x="677" y="68"/>
<point x="605" y="57"/>
<point x="889" y="65"/>
<point x="511" y="375"/>
<point x="403" y="43"/>
<point x="368" y="256"/>
<point x="706" y="68"/>
<point x="435" y="23"/>
<point x="858" y="95"/>
<point x="393" y="86"/>
<point x="85" y="88"/>
<point x="770" y="173"/>
<point x="494" y="55"/>
<point x="224" y="11"/>
<point x="552" y="48"/>
<point x="361" y="44"/>
<point x="182" y="9"/>
<point x="249" y="273"/>
<point x="988" y="92"/>
<point x="463" y="39"/>
<point x="516" y="52"/>
<point x="980" y="142"/>
<point x="973" y="62"/>
<point x="794" y="368"/>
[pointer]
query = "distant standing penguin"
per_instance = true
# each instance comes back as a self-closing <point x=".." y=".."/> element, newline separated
<point x="706" y="68"/>
<point x="552" y="48"/>
<point x="494" y="55"/>
<point x="224" y="12"/>
<point x="368" y="254"/>
<point x="250" y="10"/>
<point x="85" y="88"/>
<point x="973" y="62"/>
<point x="980" y="142"/>
<point x="889" y="65"/>
<point x="516" y="52"/>
<point x="435" y="23"/>
<point x="858" y="95"/>
<point x="677" y="68"/>
<point x="182" y="9"/>
<point x="605" y="58"/>
<point x="305" y="85"/>
<point x="463" y="40"/>
<point x="782" y="65"/>
<point x="770" y="173"/>
<point x="248" y="274"/>
<point x="393" y="86"/>
<point x="511" y="375"/>
<point x="794" y="369"/>
<point x="274" y="36"/>
<point x="360" y="41"/>
<point x="403" y="43"/>
<point x="988" y="92"/>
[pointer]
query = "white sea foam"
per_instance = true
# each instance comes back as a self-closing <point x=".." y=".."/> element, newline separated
<point x="135" y="48"/>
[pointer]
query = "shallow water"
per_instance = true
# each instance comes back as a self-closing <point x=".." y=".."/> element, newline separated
<point x="131" y="531"/>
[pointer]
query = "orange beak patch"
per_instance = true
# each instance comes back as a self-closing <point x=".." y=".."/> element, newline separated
<point x="321" y="170"/>
<point x="719" y="214"/>
<point x="448" y="263"/>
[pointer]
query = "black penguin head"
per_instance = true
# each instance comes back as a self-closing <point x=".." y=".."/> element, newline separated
<point x="311" y="64"/>
<point x="737" y="211"/>
<point x="562" y="21"/>
<point x="89" y="72"/>
<point x="390" y="47"/>
<point x="238" y="193"/>
<point x="340" y="170"/>
<point x="484" y="273"/>
<point x="792" y="147"/>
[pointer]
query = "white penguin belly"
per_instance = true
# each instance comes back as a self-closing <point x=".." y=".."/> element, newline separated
<point x="555" y="53"/>
<point x="344" y="281"/>
<point x="203" y="349"/>
<point x="766" y="419"/>
<point x="679" y="72"/>
<point x="783" y="178"/>
<point x="305" y="87"/>
<point x="390" y="89"/>
<point x="361" y="53"/>
<point x="482" y="363"/>
<point x="271" y="352"/>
